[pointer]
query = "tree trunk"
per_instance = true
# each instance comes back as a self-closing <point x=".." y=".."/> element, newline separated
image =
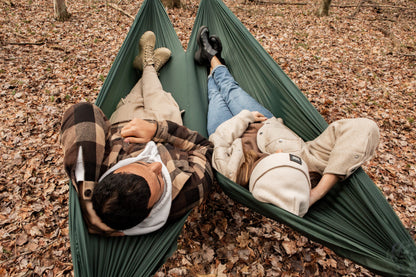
<point x="172" y="3"/>
<point x="324" y="8"/>
<point x="60" y="9"/>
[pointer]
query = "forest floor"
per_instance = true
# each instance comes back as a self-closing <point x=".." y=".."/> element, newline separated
<point x="352" y="63"/>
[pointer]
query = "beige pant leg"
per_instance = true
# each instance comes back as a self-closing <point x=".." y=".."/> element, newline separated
<point x="156" y="101"/>
<point x="130" y="106"/>
<point x="147" y="100"/>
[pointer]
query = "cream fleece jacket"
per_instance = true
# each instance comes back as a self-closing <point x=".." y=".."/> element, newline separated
<point x="343" y="147"/>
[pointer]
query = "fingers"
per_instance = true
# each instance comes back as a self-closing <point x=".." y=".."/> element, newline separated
<point x="132" y="129"/>
<point x="135" y="140"/>
<point x="258" y="116"/>
<point x="138" y="131"/>
<point x="117" y="234"/>
<point x="132" y="134"/>
<point x="126" y="132"/>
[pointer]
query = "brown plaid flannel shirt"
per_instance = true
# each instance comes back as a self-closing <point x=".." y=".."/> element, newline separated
<point x="185" y="153"/>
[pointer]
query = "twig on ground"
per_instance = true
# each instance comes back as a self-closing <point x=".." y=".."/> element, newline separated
<point x="404" y="54"/>
<point x="358" y="8"/>
<point x="281" y="3"/>
<point x="114" y="6"/>
<point x="373" y="6"/>
<point x="382" y="19"/>
<point x="26" y="43"/>
<point x="15" y="256"/>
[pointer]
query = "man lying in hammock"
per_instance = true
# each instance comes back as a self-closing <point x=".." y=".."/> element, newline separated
<point x="141" y="168"/>
<point x="256" y="150"/>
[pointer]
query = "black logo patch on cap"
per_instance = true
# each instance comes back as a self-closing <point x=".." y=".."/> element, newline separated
<point x="295" y="159"/>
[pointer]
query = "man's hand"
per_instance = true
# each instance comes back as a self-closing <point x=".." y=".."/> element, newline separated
<point x="138" y="131"/>
<point x="258" y="116"/>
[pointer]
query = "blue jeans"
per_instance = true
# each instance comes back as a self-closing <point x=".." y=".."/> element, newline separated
<point x="227" y="99"/>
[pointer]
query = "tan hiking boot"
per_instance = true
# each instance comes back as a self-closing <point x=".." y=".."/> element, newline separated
<point x="162" y="55"/>
<point x="146" y="51"/>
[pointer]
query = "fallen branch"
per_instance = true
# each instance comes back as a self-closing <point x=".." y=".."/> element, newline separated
<point x="373" y="6"/>
<point x="14" y="257"/>
<point x="382" y="19"/>
<point x="406" y="55"/>
<point x="337" y="6"/>
<point x="58" y="48"/>
<point x="26" y="43"/>
<point x="281" y="3"/>
<point x="357" y="9"/>
<point x="114" y="6"/>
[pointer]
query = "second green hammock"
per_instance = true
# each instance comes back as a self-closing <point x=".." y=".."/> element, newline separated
<point x="354" y="219"/>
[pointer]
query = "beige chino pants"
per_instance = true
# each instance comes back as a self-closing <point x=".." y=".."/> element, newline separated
<point x="147" y="100"/>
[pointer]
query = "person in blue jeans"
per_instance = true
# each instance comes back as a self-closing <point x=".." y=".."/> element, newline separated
<point x="248" y="139"/>
<point x="227" y="98"/>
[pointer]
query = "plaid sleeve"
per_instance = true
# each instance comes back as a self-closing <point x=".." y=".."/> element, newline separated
<point x="197" y="187"/>
<point x="180" y="136"/>
<point x="84" y="125"/>
<point x="199" y="172"/>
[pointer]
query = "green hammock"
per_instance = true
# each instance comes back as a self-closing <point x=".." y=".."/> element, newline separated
<point x="354" y="219"/>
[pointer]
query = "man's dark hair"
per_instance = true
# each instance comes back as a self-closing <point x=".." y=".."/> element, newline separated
<point x="121" y="200"/>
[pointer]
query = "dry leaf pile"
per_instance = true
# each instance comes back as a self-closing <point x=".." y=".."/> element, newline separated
<point x="354" y="63"/>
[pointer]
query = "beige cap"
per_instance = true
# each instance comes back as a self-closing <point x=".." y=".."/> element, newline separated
<point x="282" y="179"/>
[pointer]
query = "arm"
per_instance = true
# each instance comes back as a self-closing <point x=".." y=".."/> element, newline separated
<point x="180" y="136"/>
<point x="83" y="137"/>
<point x="232" y="129"/>
<point x="142" y="131"/>
<point x="228" y="150"/>
<point x="325" y="184"/>
<point x="192" y="167"/>
<point x="197" y="186"/>
<point x="354" y="142"/>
